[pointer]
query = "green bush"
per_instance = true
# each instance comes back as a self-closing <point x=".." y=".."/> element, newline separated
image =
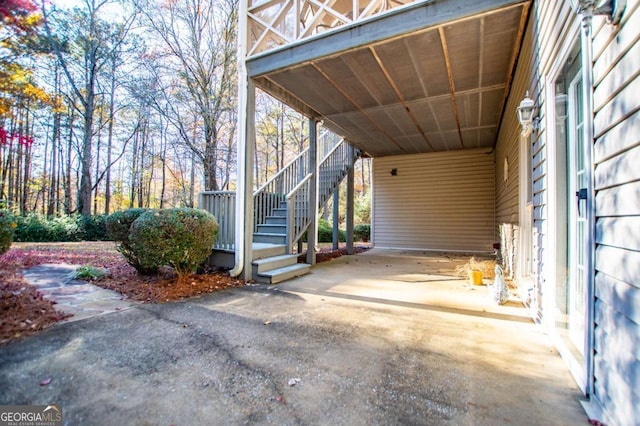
<point x="93" y="228"/>
<point x="181" y="238"/>
<point x="39" y="228"/>
<point x="119" y="223"/>
<point x="362" y="232"/>
<point x="7" y="228"/>
<point x="325" y="233"/>
<point x="118" y="226"/>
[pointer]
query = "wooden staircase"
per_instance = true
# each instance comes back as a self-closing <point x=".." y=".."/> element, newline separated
<point x="285" y="221"/>
<point x="281" y="209"/>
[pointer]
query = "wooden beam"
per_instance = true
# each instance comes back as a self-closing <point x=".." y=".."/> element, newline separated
<point x="452" y="87"/>
<point x="350" y="200"/>
<point x="398" y="93"/>
<point x="358" y="106"/>
<point x="414" y="17"/>
<point x="312" y="231"/>
<point x="514" y="58"/>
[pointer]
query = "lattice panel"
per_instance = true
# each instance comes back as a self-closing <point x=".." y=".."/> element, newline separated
<point x="274" y="23"/>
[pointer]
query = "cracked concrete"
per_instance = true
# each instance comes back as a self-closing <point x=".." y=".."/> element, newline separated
<point x="383" y="357"/>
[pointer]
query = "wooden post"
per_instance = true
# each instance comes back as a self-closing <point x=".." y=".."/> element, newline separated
<point x="248" y="177"/>
<point x="336" y="214"/>
<point x="312" y="232"/>
<point x="350" y="200"/>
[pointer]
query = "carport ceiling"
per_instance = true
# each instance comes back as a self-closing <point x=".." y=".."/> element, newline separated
<point x="441" y="85"/>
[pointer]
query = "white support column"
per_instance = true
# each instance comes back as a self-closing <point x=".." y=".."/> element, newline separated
<point x="350" y="200"/>
<point x="312" y="232"/>
<point x="245" y="150"/>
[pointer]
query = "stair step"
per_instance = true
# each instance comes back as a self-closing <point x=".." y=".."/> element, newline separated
<point x="275" y="262"/>
<point x="264" y="250"/>
<point x="262" y="237"/>
<point x="275" y="220"/>
<point x="268" y="228"/>
<point x="282" y="274"/>
<point x="280" y="212"/>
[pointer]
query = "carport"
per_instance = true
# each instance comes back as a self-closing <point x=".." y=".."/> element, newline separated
<point x="420" y="87"/>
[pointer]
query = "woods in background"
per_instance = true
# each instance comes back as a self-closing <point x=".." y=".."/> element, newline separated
<point x="127" y="103"/>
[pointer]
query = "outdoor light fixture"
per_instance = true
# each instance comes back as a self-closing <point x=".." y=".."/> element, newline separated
<point x="525" y="113"/>
<point x="612" y="9"/>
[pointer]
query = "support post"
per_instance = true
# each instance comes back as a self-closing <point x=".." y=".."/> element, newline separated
<point x="246" y="146"/>
<point x="350" y="200"/>
<point x="248" y="173"/>
<point x="336" y="214"/>
<point x="312" y="232"/>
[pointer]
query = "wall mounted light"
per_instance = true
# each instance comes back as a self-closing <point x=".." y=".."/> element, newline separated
<point x="612" y="9"/>
<point x="525" y="112"/>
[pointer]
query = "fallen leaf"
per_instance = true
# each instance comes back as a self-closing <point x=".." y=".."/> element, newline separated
<point x="294" y="381"/>
<point x="45" y="382"/>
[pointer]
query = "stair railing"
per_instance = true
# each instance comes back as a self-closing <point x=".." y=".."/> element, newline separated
<point x="272" y="194"/>
<point x="298" y="211"/>
<point x="333" y="168"/>
<point x="290" y="185"/>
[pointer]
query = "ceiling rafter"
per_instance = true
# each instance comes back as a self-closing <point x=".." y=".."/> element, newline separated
<point x="398" y="93"/>
<point x="452" y="88"/>
<point x="358" y="107"/>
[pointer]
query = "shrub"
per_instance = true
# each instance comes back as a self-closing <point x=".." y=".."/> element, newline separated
<point x="181" y="238"/>
<point x="37" y="228"/>
<point x="362" y="232"/>
<point x="118" y="226"/>
<point x="325" y="233"/>
<point x="93" y="228"/>
<point x="119" y="223"/>
<point x="7" y="228"/>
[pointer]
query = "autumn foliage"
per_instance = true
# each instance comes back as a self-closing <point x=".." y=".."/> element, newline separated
<point x="7" y="226"/>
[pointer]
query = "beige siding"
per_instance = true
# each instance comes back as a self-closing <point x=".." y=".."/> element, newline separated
<point x="617" y="177"/>
<point x="440" y="201"/>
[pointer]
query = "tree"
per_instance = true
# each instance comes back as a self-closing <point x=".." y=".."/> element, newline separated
<point x="199" y="47"/>
<point x="84" y="46"/>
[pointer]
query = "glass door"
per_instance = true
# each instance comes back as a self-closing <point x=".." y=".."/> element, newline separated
<point x="571" y="217"/>
<point x="577" y="220"/>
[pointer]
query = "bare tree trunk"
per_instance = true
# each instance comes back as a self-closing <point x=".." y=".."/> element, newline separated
<point x="192" y="186"/>
<point x="97" y="175"/>
<point x="163" y="161"/>
<point x="112" y="92"/>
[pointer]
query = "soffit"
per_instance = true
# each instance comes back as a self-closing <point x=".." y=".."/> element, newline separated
<point x="438" y="88"/>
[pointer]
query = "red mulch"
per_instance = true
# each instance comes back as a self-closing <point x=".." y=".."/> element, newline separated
<point x="23" y="310"/>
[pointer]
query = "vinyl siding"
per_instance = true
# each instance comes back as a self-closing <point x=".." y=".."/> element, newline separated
<point x="440" y="201"/>
<point x="617" y="184"/>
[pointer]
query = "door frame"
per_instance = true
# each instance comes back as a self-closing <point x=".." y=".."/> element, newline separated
<point x="582" y="373"/>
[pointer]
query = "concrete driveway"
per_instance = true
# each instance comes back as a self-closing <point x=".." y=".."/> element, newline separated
<point x="379" y="338"/>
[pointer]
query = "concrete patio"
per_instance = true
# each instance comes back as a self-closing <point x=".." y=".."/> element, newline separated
<point x="384" y="337"/>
